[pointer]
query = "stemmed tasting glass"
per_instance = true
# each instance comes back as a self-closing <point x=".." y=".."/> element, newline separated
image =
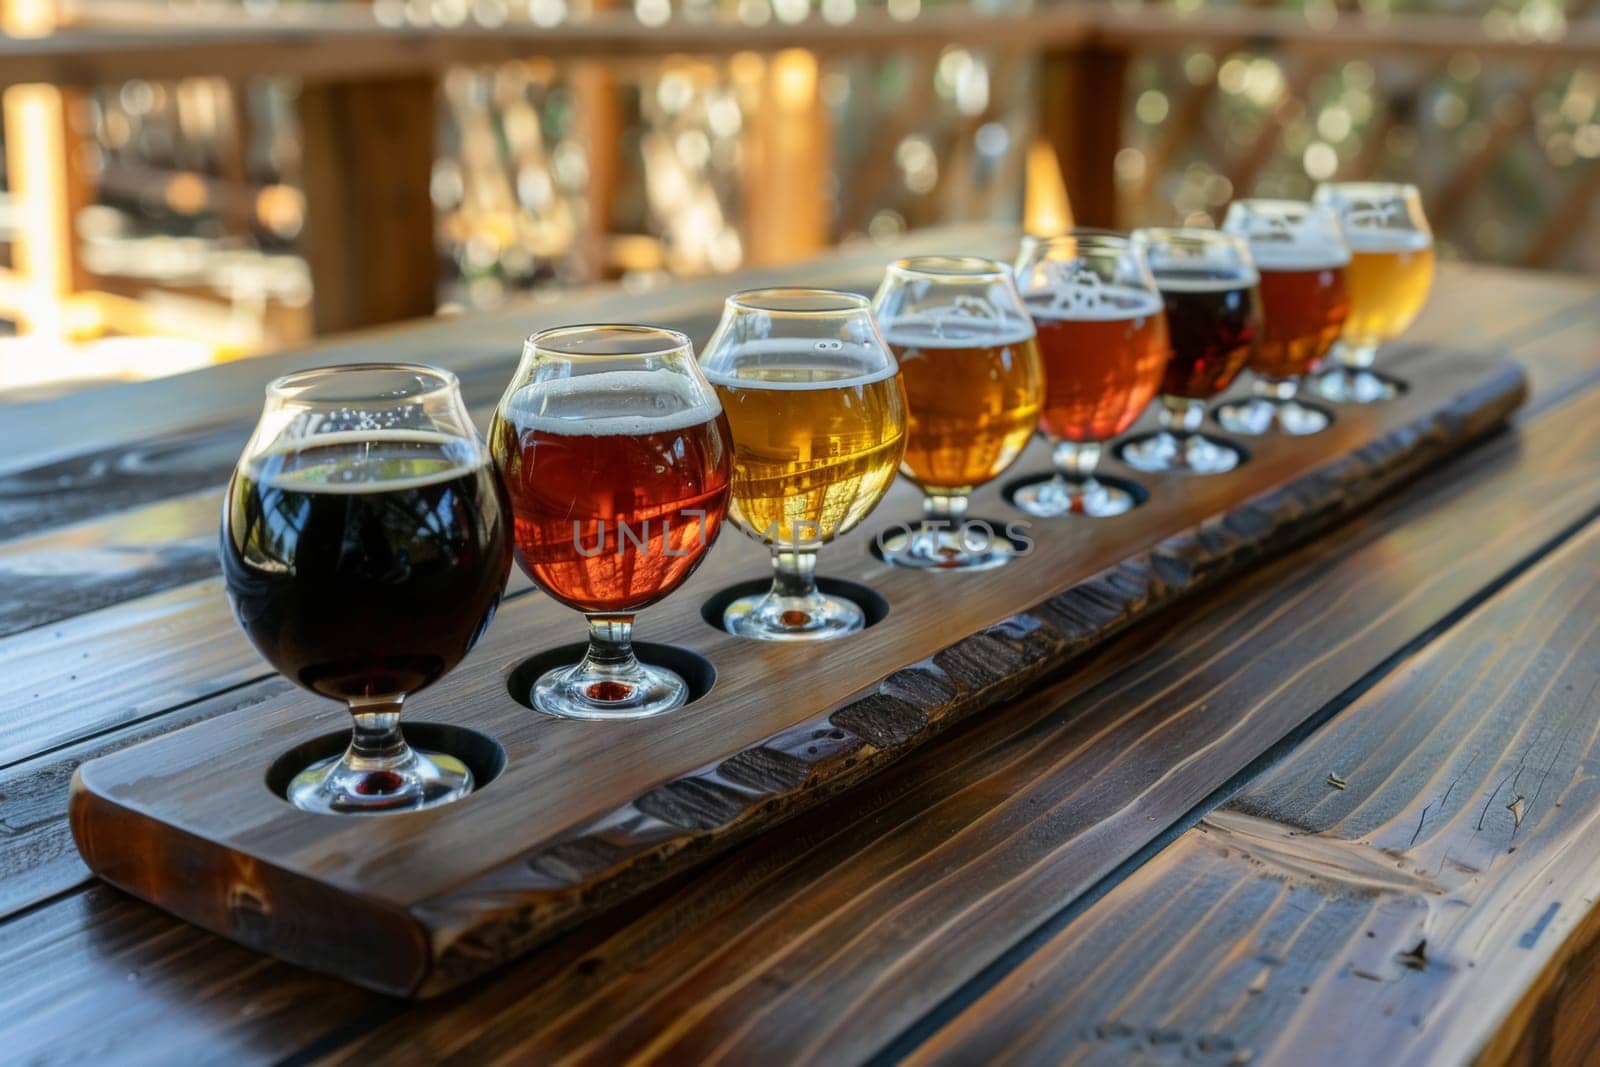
<point x="616" y="458"/>
<point x="1390" y="273"/>
<point x="1302" y="257"/>
<point x="1103" y="341"/>
<point x="970" y="366"/>
<point x="1208" y="283"/>
<point x="818" y="417"/>
<point x="365" y="545"/>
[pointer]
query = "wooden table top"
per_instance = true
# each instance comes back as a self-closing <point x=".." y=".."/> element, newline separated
<point x="1413" y="874"/>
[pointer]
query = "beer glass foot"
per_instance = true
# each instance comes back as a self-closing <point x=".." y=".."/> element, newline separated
<point x="413" y="780"/>
<point x="1194" y="453"/>
<point x="974" y="546"/>
<point x="1354" y="385"/>
<point x="632" y="691"/>
<point x="1058" y="496"/>
<point x="1258" y="415"/>
<point x="771" y="617"/>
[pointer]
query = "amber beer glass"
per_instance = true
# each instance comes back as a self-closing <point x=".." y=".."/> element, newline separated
<point x="1103" y="342"/>
<point x="616" y="459"/>
<point x="1208" y="285"/>
<point x="365" y="545"/>
<point x="1390" y="273"/>
<point x="974" y="386"/>
<point x="1302" y="258"/>
<point x="818" y="418"/>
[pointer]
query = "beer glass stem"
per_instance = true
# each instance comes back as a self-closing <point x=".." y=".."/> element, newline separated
<point x="1275" y="388"/>
<point x="794" y="573"/>
<point x="610" y="647"/>
<point x="945" y="507"/>
<point x="1075" y="461"/>
<point x="1357" y="357"/>
<point x="1182" y="414"/>
<point x="942" y="513"/>
<point x="376" y="745"/>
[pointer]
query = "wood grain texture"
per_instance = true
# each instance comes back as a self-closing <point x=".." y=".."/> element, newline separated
<point x="824" y="940"/>
<point x="1426" y="865"/>
<point x="367" y="161"/>
<point x="131" y="981"/>
<point x="476" y="889"/>
<point x="972" y="808"/>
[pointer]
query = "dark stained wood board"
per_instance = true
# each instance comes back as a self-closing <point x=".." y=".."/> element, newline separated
<point x="1443" y="896"/>
<point x="584" y="817"/>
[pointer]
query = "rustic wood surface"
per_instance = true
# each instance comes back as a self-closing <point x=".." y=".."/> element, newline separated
<point x="1421" y="864"/>
<point x="864" y="928"/>
<point x="461" y="889"/>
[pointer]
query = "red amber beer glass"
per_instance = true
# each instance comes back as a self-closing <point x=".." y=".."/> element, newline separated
<point x="1103" y="343"/>
<point x="616" y="459"/>
<point x="1302" y="258"/>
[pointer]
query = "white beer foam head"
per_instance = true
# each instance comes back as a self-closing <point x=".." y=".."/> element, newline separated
<point x="1379" y="239"/>
<point x="956" y="331"/>
<point x="1111" y="304"/>
<point x="612" y="403"/>
<point x="835" y="364"/>
<point x="349" y="470"/>
<point x="1269" y="256"/>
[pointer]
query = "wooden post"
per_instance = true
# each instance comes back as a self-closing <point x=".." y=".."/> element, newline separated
<point x="1080" y="117"/>
<point x="47" y="186"/>
<point x="788" y="153"/>
<point x="369" y="235"/>
<point x="598" y="105"/>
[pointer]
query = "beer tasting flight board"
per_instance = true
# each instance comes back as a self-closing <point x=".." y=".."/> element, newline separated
<point x="570" y="818"/>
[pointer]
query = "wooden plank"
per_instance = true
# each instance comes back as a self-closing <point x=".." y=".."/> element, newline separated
<point x="1406" y="887"/>
<point x="366" y="165"/>
<point x="344" y="43"/>
<point x="37" y="857"/>
<point x="1075" y="119"/>
<point x="100" y="957"/>
<point x="741" y="919"/>
<point x="469" y="885"/>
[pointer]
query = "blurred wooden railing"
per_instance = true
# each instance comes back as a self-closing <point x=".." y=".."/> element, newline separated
<point x="366" y="86"/>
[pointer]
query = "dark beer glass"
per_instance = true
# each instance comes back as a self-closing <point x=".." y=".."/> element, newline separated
<point x="1208" y="284"/>
<point x="1302" y="257"/>
<point x="365" y="546"/>
<point x="616" y="458"/>
<point x="1103" y="343"/>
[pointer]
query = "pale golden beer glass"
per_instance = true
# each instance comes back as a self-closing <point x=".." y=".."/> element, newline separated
<point x="818" y="415"/>
<point x="974" y="386"/>
<point x="1389" y="276"/>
